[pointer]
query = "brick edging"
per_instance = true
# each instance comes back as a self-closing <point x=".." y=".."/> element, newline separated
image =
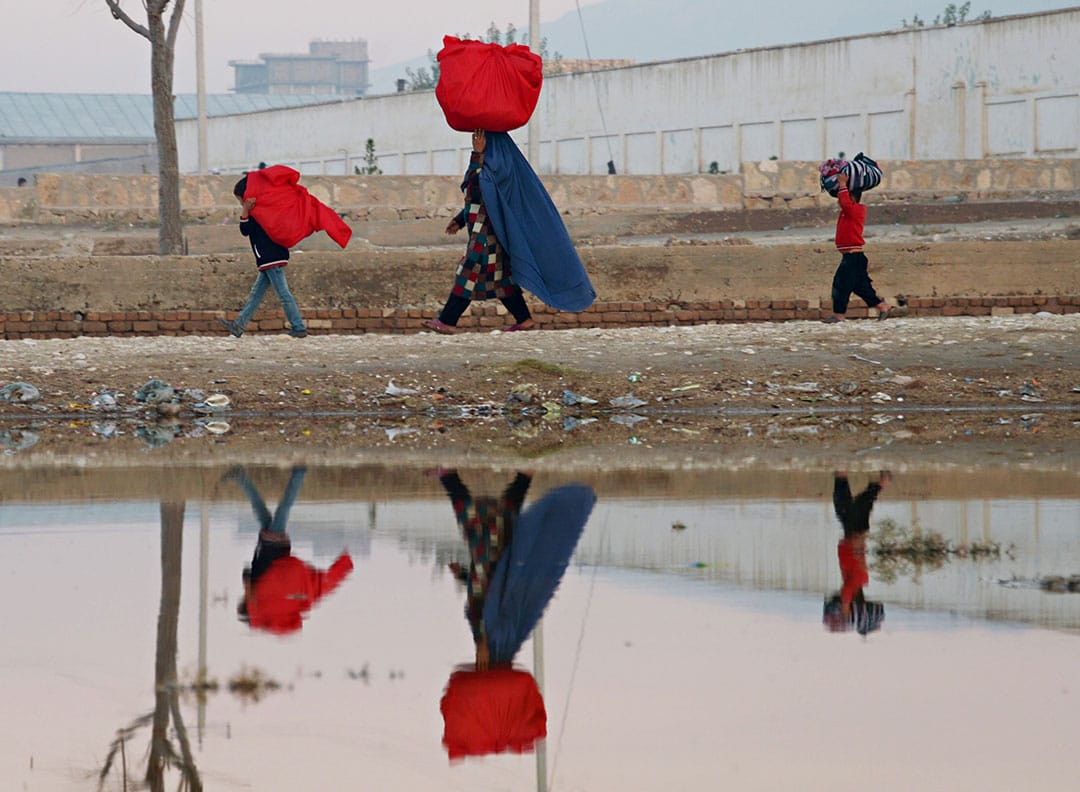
<point x="355" y="321"/>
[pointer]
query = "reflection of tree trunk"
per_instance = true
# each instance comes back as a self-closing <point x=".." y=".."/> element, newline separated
<point x="166" y="693"/>
<point x="162" y="754"/>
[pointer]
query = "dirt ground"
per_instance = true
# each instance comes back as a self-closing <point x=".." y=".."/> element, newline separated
<point x="902" y="389"/>
<point x="885" y="391"/>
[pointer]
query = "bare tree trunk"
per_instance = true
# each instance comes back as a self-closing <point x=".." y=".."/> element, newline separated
<point x="170" y="229"/>
<point x="162" y="48"/>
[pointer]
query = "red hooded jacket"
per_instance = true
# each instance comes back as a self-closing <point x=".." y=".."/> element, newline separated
<point x="849" y="226"/>
<point x="287" y="211"/>
<point x="288" y="589"/>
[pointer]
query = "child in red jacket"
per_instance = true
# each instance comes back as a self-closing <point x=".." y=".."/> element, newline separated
<point x="852" y="276"/>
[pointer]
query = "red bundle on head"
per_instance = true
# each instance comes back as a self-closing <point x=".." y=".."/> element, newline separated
<point x="487" y="86"/>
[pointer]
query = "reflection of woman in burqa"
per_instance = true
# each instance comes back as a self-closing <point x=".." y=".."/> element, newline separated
<point x="516" y="560"/>
<point x="278" y="587"/>
<point x="848" y="608"/>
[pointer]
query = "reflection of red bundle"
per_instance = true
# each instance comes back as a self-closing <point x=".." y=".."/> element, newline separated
<point x="491" y="712"/>
<point x="288" y="212"/>
<point x="487" y="86"/>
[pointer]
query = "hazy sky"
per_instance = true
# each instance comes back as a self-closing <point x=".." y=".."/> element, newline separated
<point x="76" y="46"/>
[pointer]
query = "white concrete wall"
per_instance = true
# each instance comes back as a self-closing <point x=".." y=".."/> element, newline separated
<point x="1009" y="87"/>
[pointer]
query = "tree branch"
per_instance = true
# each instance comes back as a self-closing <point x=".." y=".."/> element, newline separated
<point x="121" y="14"/>
<point x="174" y="24"/>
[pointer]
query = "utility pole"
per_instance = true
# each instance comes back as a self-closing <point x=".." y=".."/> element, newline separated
<point x="534" y="122"/>
<point x="200" y="84"/>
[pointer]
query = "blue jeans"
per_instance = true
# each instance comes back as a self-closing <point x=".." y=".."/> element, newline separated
<point x="277" y="521"/>
<point x="272" y="277"/>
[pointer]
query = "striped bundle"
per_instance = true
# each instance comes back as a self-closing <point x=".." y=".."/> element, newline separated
<point x="863" y="174"/>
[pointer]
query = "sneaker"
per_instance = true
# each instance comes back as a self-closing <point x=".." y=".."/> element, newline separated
<point x="831" y="319"/>
<point x="298" y="333"/>
<point x="233" y="330"/>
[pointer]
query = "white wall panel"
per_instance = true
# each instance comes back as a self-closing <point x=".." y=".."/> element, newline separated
<point x="1007" y="86"/>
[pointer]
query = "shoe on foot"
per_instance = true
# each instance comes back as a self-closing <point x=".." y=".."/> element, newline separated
<point x="833" y="319"/>
<point x="233" y="329"/>
<point x="440" y="326"/>
<point x="528" y="324"/>
<point x="298" y="333"/>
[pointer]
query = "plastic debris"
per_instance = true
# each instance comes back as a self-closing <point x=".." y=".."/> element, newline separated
<point x="571" y="399"/>
<point x="104" y="401"/>
<point x="216" y="427"/>
<point x="629" y="401"/>
<point x="22" y="392"/>
<point x="570" y="422"/>
<point x="685" y="388"/>
<point x="523" y="393"/>
<point x="634" y="376"/>
<point x="105" y="430"/>
<point x="156" y="435"/>
<point x="394" y="390"/>
<point x="155" y="391"/>
<point x="393" y="432"/>
<point x="627" y="419"/>
<point x="19" y="439"/>
<point x="865" y="359"/>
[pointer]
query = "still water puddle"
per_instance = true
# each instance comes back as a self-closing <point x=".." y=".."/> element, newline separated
<point x="319" y="628"/>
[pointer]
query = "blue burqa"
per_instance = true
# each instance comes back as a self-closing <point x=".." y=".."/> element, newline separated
<point x="542" y="256"/>
<point x="530" y="569"/>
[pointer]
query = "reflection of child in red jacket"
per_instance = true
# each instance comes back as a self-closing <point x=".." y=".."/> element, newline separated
<point x="278" y="587"/>
<point x="288" y="588"/>
<point x="849" y="607"/>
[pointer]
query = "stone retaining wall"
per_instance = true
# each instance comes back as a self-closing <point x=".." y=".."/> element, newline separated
<point x="86" y="198"/>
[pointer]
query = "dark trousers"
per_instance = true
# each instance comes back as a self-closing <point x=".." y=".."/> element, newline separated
<point x="854" y="512"/>
<point x="455" y="307"/>
<point x="852" y="277"/>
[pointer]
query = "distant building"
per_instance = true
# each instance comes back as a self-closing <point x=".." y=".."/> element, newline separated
<point x="102" y="133"/>
<point x="338" y="68"/>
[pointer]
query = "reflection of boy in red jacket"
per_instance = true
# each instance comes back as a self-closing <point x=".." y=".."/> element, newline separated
<point x="277" y="599"/>
<point x="278" y="587"/>
<point x="849" y="607"/>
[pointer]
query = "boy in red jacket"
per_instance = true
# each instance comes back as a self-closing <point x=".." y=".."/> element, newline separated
<point x="851" y="275"/>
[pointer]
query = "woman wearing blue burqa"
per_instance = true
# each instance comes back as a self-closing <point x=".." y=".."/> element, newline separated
<point x="517" y="239"/>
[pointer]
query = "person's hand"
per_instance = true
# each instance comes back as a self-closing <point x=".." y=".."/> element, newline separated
<point x="483" y="655"/>
<point x="842" y="179"/>
<point x="249" y="204"/>
<point x="452" y="227"/>
<point x="479" y="141"/>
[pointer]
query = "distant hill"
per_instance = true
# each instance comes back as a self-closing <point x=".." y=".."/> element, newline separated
<point x="651" y="30"/>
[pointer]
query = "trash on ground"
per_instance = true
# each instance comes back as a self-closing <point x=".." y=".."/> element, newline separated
<point x="155" y="391"/>
<point x="629" y="401"/>
<point x="22" y="392"/>
<point x="571" y="399"/>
